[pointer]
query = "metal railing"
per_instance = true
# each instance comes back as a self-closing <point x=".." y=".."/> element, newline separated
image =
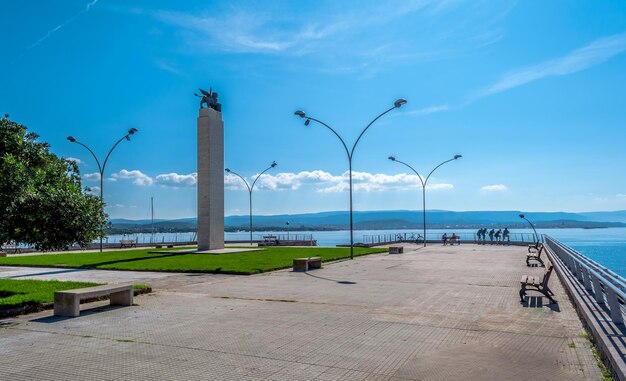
<point x="436" y="237"/>
<point x="608" y="288"/>
<point x="266" y="236"/>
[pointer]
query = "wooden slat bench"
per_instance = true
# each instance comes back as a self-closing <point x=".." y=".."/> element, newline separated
<point x="127" y="243"/>
<point x="535" y="247"/>
<point x="536" y="283"/>
<point x="396" y="249"/>
<point x="535" y="255"/>
<point x="304" y="264"/>
<point x="453" y="240"/>
<point x="67" y="303"/>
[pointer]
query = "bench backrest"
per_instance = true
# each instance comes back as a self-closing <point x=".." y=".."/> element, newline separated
<point x="546" y="277"/>
<point x="127" y="241"/>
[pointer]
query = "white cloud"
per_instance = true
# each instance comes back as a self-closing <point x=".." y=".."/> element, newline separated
<point x="75" y="160"/>
<point x="325" y="182"/>
<point x="286" y="180"/>
<point x="93" y="190"/>
<point x="163" y="65"/>
<point x="620" y="195"/>
<point x="494" y="188"/>
<point x="592" y="54"/>
<point x="176" y="180"/>
<point x="429" y="110"/>
<point x="266" y="29"/>
<point x="136" y="176"/>
<point x="64" y="23"/>
<point x="95" y="176"/>
<point x="232" y="182"/>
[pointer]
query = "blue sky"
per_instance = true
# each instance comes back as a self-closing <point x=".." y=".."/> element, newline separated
<point x="531" y="93"/>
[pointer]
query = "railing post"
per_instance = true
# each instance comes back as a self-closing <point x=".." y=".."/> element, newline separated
<point x="614" y="306"/>
<point x="597" y="290"/>
<point x="586" y="280"/>
<point x="579" y="272"/>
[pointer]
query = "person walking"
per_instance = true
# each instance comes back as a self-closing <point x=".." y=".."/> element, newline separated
<point x="491" y="233"/>
<point x="478" y="235"/>
<point x="498" y="234"/>
<point x="444" y="238"/>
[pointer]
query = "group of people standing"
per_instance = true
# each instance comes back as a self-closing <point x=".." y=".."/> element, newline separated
<point x="499" y="236"/>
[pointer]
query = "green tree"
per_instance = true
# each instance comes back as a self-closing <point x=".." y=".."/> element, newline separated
<point x="42" y="202"/>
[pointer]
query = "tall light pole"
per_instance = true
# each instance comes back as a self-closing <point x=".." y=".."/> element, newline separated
<point x="532" y="226"/>
<point x="251" y="188"/>
<point x="424" y="182"/>
<point x="72" y="139"/>
<point x="397" y="104"/>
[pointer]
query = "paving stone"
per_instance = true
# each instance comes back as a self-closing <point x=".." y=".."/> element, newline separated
<point x="435" y="313"/>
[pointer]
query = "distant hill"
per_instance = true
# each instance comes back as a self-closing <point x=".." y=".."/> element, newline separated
<point x="392" y="219"/>
<point x="615" y="216"/>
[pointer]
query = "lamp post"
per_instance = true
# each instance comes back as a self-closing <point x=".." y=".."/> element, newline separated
<point x="532" y="226"/>
<point x="397" y="104"/>
<point x="287" y="225"/>
<point x="424" y="182"/>
<point x="251" y="188"/>
<point x="72" y="139"/>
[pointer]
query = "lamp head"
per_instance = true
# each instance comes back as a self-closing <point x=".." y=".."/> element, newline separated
<point x="300" y="113"/>
<point x="132" y="131"/>
<point x="399" y="103"/>
<point x="307" y="122"/>
<point x="227" y="170"/>
<point x="522" y="216"/>
<point x="457" y="157"/>
<point x="71" y="139"/>
<point x="274" y="164"/>
<point x="392" y="158"/>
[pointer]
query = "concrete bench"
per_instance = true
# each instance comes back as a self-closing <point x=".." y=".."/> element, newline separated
<point x="127" y="243"/>
<point x="396" y="249"/>
<point x="304" y="264"/>
<point x="67" y="303"/>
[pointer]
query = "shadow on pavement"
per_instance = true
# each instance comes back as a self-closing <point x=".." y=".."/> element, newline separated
<point x="330" y="280"/>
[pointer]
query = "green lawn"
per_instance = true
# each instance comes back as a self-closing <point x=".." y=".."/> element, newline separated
<point x="271" y="258"/>
<point x="18" y="292"/>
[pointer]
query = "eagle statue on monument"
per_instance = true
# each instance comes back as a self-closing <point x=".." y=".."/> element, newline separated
<point x="209" y="99"/>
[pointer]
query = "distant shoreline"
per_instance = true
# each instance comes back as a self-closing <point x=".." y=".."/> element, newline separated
<point x="240" y="229"/>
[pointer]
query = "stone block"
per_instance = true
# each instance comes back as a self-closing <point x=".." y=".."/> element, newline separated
<point x="396" y="249"/>
<point x="300" y="264"/>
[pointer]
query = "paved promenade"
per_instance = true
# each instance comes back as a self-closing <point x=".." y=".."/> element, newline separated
<point x="440" y="313"/>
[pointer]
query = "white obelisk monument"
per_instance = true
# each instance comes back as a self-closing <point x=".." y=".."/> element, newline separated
<point x="210" y="173"/>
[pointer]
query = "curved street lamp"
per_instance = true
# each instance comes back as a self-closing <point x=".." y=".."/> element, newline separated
<point x="251" y="188"/>
<point x="532" y="226"/>
<point x="72" y="139"/>
<point x="397" y="104"/>
<point x="424" y="182"/>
